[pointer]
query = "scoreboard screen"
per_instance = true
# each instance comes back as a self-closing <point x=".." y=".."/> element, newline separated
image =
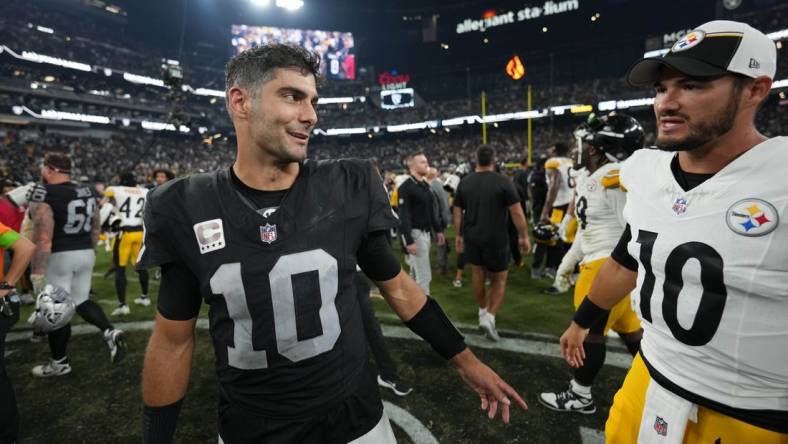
<point x="335" y="48"/>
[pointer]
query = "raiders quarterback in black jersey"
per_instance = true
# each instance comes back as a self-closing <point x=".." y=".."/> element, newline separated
<point x="271" y="244"/>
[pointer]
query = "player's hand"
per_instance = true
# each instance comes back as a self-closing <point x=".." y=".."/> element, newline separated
<point x="411" y="249"/>
<point x="544" y="220"/>
<point x="493" y="391"/>
<point x="525" y="244"/>
<point x="39" y="282"/>
<point x="441" y="239"/>
<point x="459" y="245"/>
<point x="572" y="345"/>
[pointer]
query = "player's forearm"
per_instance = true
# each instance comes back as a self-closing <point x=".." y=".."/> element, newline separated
<point x="518" y="218"/>
<point x="23" y="253"/>
<point x="95" y="229"/>
<point x="166" y="370"/>
<point x="458" y="220"/>
<point x="552" y="193"/>
<point x="403" y="294"/>
<point x="43" y="229"/>
<point x="612" y="284"/>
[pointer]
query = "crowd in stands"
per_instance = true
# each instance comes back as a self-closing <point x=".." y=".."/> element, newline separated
<point x="104" y="45"/>
<point x="110" y="155"/>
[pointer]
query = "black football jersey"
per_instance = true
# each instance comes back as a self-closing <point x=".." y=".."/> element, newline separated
<point x="284" y="315"/>
<point x="73" y="206"/>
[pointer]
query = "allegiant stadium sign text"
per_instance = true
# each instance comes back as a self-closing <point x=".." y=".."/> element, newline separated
<point x="511" y="17"/>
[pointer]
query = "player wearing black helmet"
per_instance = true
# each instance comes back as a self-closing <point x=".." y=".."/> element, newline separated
<point x="599" y="202"/>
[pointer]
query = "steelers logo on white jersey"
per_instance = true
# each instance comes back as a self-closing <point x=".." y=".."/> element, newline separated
<point x="752" y="217"/>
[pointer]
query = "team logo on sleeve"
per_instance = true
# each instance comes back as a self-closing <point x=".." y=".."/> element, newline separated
<point x="680" y="205"/>
<point x="752" y="217"/>
<point x="210" y="235"/>
<point x="268" y="233"/>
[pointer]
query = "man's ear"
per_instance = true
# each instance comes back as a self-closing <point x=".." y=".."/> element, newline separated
<point x="238" y="102"/>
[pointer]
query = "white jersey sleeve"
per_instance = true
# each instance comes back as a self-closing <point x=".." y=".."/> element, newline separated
<point x="564" y="182"/>
<point x="712" y="282"/>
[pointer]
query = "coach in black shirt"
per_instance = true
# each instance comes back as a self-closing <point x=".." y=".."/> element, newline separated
<point x="481" y="204"/>
<point x="418" y="219"/>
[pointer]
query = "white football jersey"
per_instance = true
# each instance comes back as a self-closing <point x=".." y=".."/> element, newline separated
<point x="128" y="204"/>
<point x="599" y="204"/>
<point x="563" y="165"/>
<point x="712" y="283"/>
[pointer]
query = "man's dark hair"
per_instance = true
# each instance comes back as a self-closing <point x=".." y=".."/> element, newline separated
<point x="255" y="66"/>
<point x="485" y="155"/>
<point x="524" y="160"/>
<point x="170" y="175"/>
<point x="127" y="179"/>
<point x="561" y="149"/>
<point x="60" y="162"/>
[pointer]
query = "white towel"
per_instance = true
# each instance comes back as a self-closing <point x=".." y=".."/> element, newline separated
<point x="665" y="416"/>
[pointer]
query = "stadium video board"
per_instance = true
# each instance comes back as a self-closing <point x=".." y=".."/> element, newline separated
<point x="336" y="49"/>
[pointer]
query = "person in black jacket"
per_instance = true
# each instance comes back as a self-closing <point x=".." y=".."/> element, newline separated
<point x="418" y="219"/>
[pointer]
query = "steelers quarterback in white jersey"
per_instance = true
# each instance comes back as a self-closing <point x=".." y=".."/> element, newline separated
<point x="704" y="252"/>
<point x="128" y="203"/>
<point x="599" y="204"/>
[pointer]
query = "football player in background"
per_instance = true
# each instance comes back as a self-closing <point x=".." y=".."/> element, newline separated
<point x="65" y="230"/>
<point x="559" y="193"/>
<point x="127" y="201"/>
<point x="704" y="252"/>
<point x="9" y="313"/>
<point x="272" y="243"/>
<point x="599" y="203"/>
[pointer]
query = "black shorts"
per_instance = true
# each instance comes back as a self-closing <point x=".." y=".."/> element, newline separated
<point x="493" y="258"/>
<point x="340" y="423"/>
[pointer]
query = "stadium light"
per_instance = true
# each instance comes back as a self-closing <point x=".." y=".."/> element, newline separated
<point x="261" y="3"/>
<point x="291" y="5"/>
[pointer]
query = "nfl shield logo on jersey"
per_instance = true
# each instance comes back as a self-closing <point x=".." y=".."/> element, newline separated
<point x="268" y="233"/>
<point x="661" y="426"/>
<point x="680" y="205"/>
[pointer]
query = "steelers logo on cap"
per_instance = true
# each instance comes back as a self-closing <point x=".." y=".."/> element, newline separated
<point x="690" y="40"/>
<point x="752" y="217"/>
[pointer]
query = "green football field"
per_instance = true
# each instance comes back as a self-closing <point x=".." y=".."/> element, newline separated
<point x="101" y="403"/>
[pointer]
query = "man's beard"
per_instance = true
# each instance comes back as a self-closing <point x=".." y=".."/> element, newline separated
<point x="702" y="133"/>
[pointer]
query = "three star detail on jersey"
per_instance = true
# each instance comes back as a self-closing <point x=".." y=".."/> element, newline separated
<point x="755" y="219"/>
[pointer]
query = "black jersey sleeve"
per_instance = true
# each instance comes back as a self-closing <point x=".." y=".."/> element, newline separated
<point x="157" y="246"/>
<point x="376" y="258"/>
<point x="621" y="255"/>
<point x="179" y="292"/>
<point x="381" y="216"/>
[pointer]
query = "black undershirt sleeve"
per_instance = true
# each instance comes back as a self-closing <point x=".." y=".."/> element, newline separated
<point x="179" y="292"/>
<point x="621" y="255"/>
<point x="376" y="258"/>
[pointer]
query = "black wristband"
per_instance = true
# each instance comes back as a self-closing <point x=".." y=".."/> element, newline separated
<point x="432" y="324"/>
<point x="588" y="313"/>
<point x="158" y="423"/>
